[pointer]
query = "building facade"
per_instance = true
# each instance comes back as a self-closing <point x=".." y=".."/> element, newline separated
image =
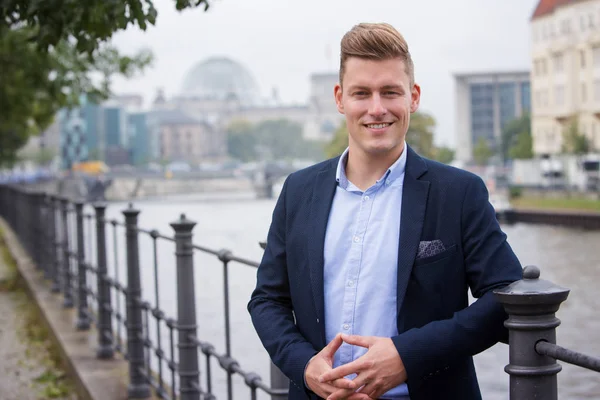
<point x="220" y="90"/>
<point x="182" y="138"/>
<point x="485" y="103"/>
<point x="565" y="79"/>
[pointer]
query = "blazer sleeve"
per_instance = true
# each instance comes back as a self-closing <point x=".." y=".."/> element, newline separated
<point x="490" y="263"/>
<point x="270" y="305"/>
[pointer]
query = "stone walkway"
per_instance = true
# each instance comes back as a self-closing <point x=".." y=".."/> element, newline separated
<point x="27" y="371"/>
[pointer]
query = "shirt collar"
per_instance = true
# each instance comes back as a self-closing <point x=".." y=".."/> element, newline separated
<point x="394" y="172"/>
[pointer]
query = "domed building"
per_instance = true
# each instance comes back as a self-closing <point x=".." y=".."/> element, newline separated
<point x="221" y="79"/>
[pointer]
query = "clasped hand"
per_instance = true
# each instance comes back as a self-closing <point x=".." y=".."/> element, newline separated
<point x="378" y="370"/>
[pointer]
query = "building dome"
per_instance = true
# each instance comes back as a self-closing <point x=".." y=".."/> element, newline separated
<point x="221" y="78"/>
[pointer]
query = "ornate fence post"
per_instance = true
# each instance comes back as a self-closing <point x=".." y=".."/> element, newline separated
<point x="66" y="275"/>
<point x="40" y="230"/>
<point x="138" y="387"/>
<point x="83" y="313"/>
<point x="531" y="304"/>
<point x="55" y="260"/>
<point x="189" y="373"/>
<point x="104" y="325"/>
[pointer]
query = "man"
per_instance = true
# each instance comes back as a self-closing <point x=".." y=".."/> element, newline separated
<point x="362" y="289"/>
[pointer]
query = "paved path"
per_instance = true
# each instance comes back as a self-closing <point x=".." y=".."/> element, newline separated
<point x="26" y="369"/>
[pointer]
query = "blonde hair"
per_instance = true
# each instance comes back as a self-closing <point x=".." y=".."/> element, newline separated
<point x="378" y="41"/>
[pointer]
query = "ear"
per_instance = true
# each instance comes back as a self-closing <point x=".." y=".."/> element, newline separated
<point x="415" y="98"/>
<point x="337" y="94"/>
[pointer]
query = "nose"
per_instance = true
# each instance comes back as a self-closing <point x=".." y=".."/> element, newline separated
<point x="376" y="108"/>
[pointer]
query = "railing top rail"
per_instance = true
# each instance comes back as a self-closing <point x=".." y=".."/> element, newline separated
<point x="226" y="256"/>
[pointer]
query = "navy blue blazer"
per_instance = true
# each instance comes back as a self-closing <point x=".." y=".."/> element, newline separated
<point x="439" y="331"/>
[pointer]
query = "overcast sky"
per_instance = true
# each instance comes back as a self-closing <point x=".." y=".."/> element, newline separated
<point x="283" y="41"/>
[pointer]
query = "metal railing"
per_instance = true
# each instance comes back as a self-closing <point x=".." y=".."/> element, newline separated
<point x="531" y="305"/>
<point x="71" y="247"/>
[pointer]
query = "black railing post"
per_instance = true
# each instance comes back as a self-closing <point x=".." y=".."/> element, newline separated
<point x="189" y="372"/>
<point x="46" y="247"/>
<point x="26" y="216"/>
<point x="104" y="325"/>
<point x="138" y="386"/>
<point x="531" y="304"/>
<point x="83" y="313"/>
<point x="66" y="276"/>
<point x="55" y="243"/>
<point x="40" y="229"/>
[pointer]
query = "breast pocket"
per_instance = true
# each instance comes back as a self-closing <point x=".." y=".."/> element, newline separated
<point x="421" y="262"/>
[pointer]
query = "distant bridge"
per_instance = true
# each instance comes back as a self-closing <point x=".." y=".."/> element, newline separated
<point x="136" y="184"/>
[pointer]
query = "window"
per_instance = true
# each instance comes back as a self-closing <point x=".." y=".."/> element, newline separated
<point x="583" y="93"/>
<point x="544" y="67"/>
<point x="597" y="90"/>
<point x="558" y="64"/>
<point x="596" y="56"/>
<point x="582" y="58"/>
<point x="559" y="95"/>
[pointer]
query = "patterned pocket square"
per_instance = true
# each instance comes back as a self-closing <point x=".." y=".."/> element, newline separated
<point x="429" y="248"/>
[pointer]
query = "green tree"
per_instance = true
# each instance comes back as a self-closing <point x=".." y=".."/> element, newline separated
<point x="575" y="142"/>
<point x="241" y="141"/>
<point x="444" y="155"/>
<point x="338" y="144"/>
<point x="276" y="139"/>
<point x="523" y="148"/>
<point x="482" y="152"/>
<point x="513" y="132"/>
<point x="88" y="24"/>
<point x="52" y="51"/>
<point x="41" y="156"/>
<point x="420" y="134"/>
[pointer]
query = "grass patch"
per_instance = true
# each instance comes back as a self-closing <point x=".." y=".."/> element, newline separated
<point x="571" y="203"/>
<point x="52" y="383"/>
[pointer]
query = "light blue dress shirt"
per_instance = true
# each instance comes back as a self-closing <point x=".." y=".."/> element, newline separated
<point x="361" y="261"/>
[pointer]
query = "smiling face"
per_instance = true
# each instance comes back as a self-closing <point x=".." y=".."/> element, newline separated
<point x="377" y="99"/>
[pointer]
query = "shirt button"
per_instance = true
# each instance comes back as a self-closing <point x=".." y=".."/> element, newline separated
<point x="356" y="239"/>
<point x="346" y="327"/>
<point x="387" y="182"/>
<point x="350" y="283"/>
<point x="366" y="198"/>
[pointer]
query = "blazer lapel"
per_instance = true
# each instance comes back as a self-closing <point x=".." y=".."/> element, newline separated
<point x="414" y="200"/>
<point x="323" y="192"/>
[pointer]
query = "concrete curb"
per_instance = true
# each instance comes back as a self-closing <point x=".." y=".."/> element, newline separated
<point x="94" y="379"/>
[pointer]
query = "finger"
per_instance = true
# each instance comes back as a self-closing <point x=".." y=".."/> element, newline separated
<point x="332" y="346"/>
<point x="359" y="396"/>
<point x="340" y="394"/>
<point x="353" y="367"/>
<point x="343" y="383"/>
<point x="357" y="340"/>
<point x="368" y="389"/>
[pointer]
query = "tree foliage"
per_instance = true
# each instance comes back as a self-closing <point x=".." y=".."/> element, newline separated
<point x="482" y="152"/>
<point x="420" y="134"/>
<point x="444" y="155"/>
<point x="88" y="24"/>
<point x="338" y="144"/>
<point x="517" y="141"/>
<point x="523" y="148"/>
<point x="575" y="142"/>
<point x="54" y="51"/>
<point x="271" y="139"/>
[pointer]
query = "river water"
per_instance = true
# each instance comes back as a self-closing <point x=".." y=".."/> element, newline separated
<point x="568" y="257"/>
